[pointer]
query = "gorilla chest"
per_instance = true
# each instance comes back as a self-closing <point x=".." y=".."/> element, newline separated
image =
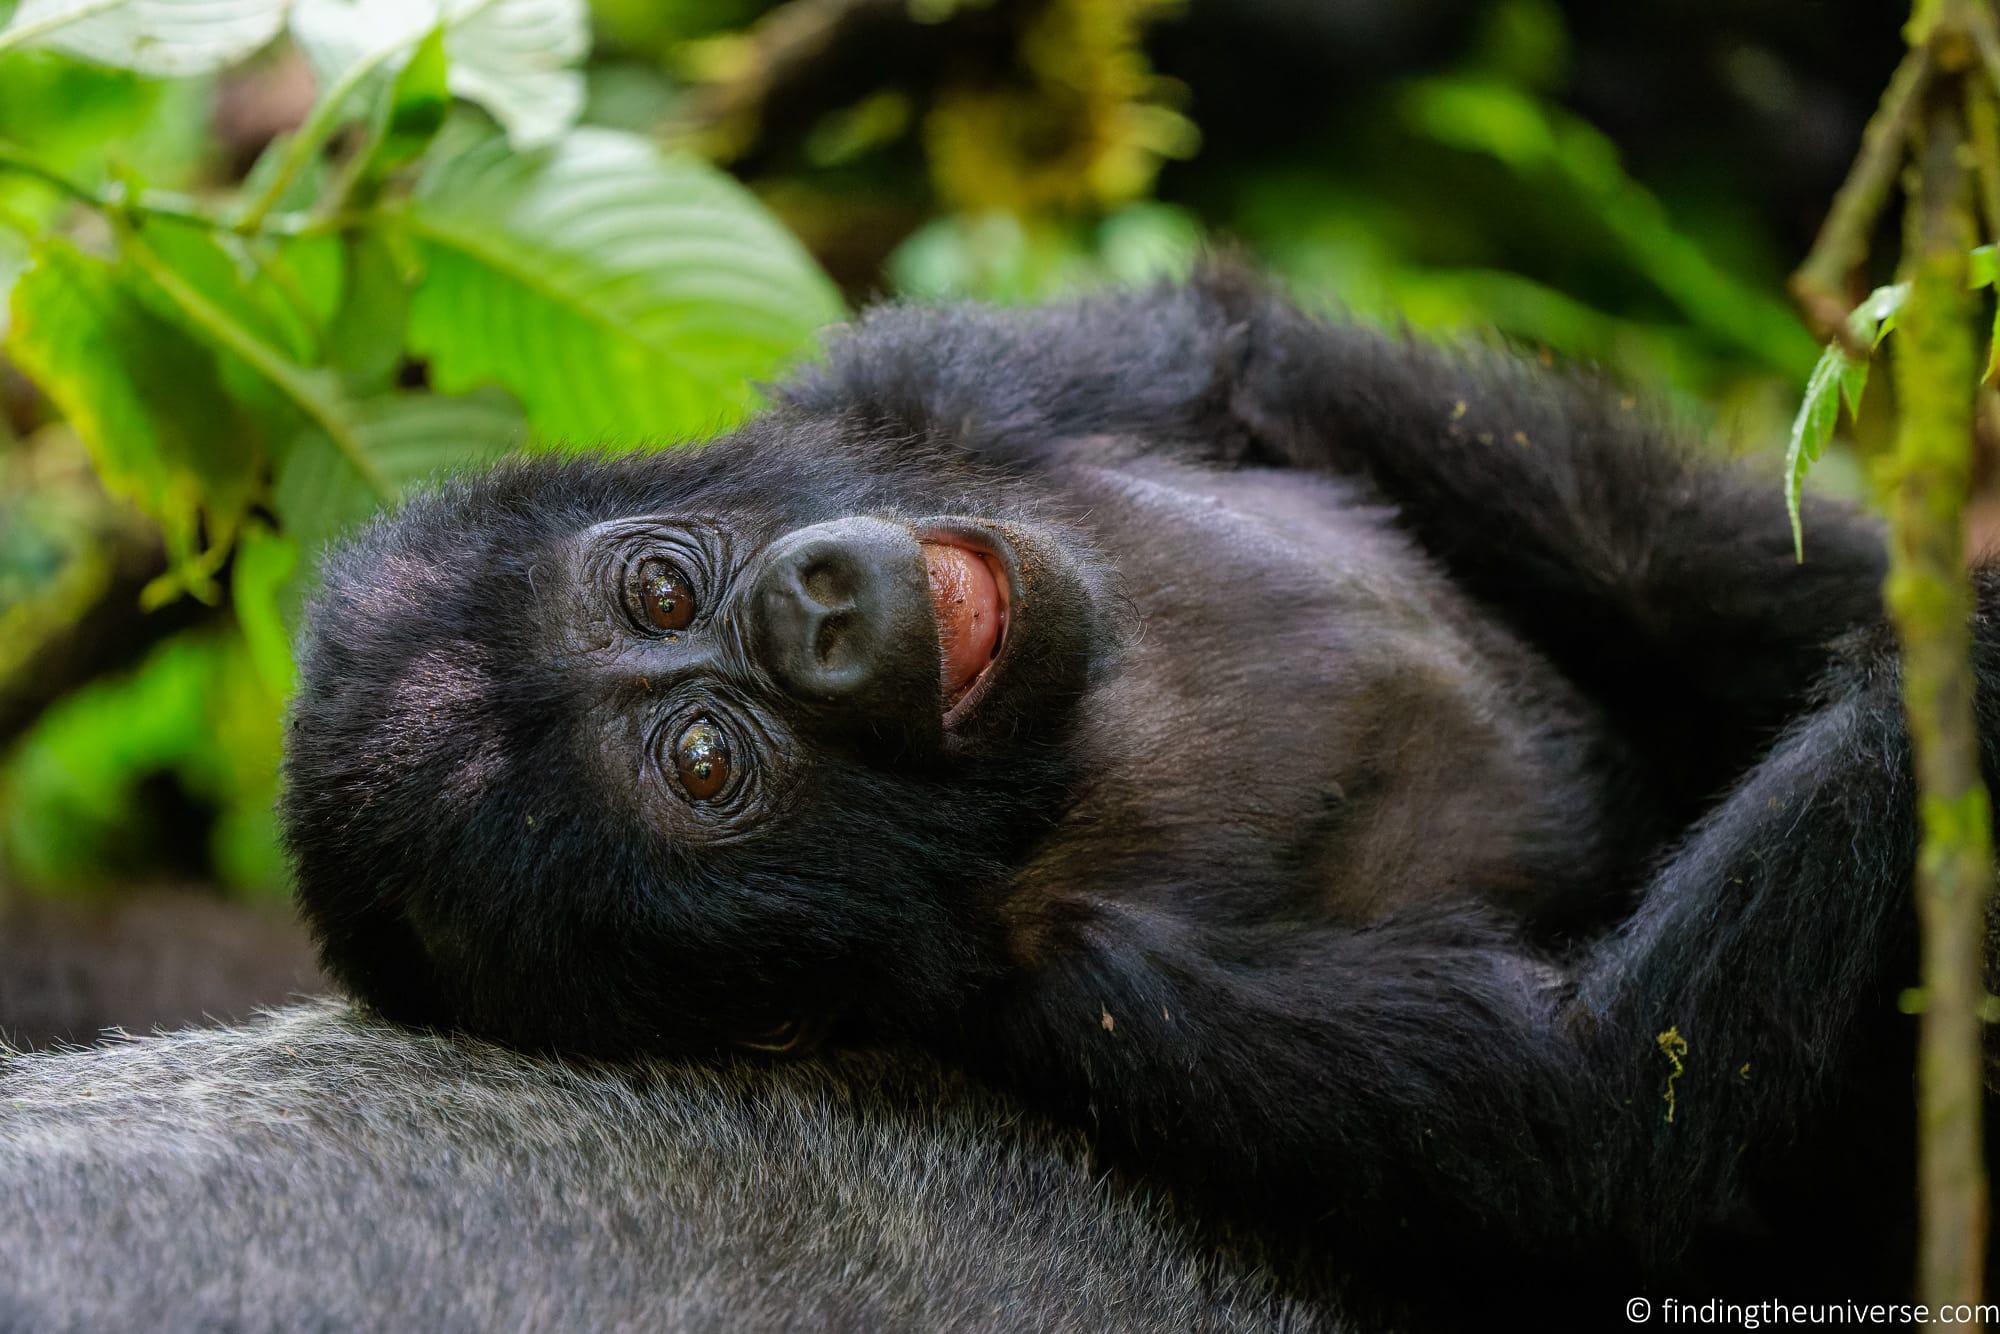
<point x="1309" y="707"/>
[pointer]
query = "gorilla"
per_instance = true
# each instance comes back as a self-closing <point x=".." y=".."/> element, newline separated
<point x="1406" y="798"/>
<point x="318" y="1170"/>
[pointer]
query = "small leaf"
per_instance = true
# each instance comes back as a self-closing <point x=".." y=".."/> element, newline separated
<point x="1993" y="349"/>
<point x="616" y="291"/>
<point x="1876" y="315"/>
<point x="418" y="101"/>
<point x="1853" y="381"/>
<point x="158" y="37"/>
<point x="1811" y="429"/>
<point x="1980" y="267"/>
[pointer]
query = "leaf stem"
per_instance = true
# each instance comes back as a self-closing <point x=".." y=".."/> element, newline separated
<point x="1842" y="242"/>
<point x="311" y="136"/>
<point x="166" y="204"/>
<point x="290" y="380"/>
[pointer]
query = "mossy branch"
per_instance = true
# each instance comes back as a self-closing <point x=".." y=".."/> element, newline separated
<point x="1930" y="600"/>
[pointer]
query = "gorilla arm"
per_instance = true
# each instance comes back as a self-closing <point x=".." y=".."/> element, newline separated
<point x="1424" y="1069"/>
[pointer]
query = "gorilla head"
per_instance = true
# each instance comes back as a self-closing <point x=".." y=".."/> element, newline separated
<point x="687" y="747"/>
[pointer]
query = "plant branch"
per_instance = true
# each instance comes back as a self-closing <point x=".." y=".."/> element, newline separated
<point x="1930" y="601"/>
<point x="1818" y="285"/>
<point x="164" y="204"/>
<point x="311" y="137"/>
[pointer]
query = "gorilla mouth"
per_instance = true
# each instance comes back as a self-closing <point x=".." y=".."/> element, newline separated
<point x="971" y="596"/>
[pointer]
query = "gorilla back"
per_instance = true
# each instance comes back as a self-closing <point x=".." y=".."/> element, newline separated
<point x="1295" y="751"/>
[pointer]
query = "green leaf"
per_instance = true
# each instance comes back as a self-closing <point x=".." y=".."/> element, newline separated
<point x="1993" y="349"/>
<point x="409" y="438"/>
<point x="616" y="291"/>
<point x="516" y="58"/>
<point x="159" y="37"/>
<point x="1980" y="267"/>
<point x="298" y="192"/>
<point x="418" y="101"/>
<point x="1872" y="320"/>
<point x="263" y="570"/>
<point x="146" y="400"/>
<point x="337" y="35"/>
<point x="222" y="267"/>
<point x="1811" y="430"/>
<point x="1853" y="381"/>
<point x="365" y="342"/>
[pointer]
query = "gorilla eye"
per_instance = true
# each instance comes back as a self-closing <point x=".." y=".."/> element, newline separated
<point x="664" y="597"/>
<point x="701" y="758"/>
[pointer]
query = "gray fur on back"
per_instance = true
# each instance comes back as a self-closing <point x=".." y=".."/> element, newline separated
<point x="316" y="1170"/>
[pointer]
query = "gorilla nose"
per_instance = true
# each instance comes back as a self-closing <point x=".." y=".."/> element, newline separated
<point x="842" y="618"/>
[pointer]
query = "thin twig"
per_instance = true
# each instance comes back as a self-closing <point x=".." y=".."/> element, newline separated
<point x="1820" y="283"/>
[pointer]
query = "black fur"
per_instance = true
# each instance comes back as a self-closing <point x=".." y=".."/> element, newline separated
<point x="1398" y="746"/>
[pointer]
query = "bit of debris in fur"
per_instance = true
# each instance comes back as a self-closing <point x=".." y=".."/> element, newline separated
<point x="1673" y="1046"/>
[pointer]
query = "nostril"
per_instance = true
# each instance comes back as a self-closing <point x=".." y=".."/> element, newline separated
<point x="830" y="638"/>
<point x="824" y="583"/>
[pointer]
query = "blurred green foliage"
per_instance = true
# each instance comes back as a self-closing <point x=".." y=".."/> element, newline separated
<point x="268" y="265"/>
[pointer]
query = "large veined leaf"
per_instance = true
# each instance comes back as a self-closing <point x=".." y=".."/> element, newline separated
<point x="162" y="37"/>
<point x="337" y="35"/>
<point x="516" y="58"/>
<point x="146" y="401"/>
<point x="619" y="293"/>
<point x="406" y="439"/>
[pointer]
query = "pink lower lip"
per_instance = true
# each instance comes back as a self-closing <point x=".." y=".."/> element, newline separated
<point x="971" y="607"/>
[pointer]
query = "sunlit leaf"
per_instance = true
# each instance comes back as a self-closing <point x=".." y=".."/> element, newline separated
<point x="146" y="400"/>
<point x="1980" y="267"/>
<point x="1873" y="319"/>
<point x="160" y="37"/>
<point x="337" y="35"/>
<point x="1812" y="428"/>
<point x="516" y="58"/>
<point x="617" y="292"/>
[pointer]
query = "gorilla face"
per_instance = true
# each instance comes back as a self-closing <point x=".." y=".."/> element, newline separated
<point x="717" y="664"/>
<point x="683" y="748"/>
